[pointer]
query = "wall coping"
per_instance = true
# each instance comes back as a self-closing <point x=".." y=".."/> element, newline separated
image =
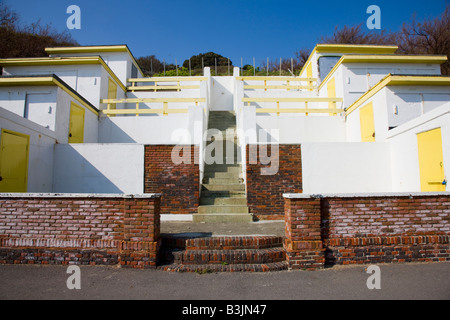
<point x="80" y="195"/>
<point x="364" y="195"/>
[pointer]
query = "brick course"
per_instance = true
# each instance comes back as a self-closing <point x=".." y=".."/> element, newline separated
<point x="57" y="229"/>
<point x="179" y="184"/>
<point x="367" y="229"/>
<point x="265" y="192"/>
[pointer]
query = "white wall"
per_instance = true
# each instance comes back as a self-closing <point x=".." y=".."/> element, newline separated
<point x="84" y="79"/>
<point x="40" y="159"/>
<point x="222" y="89"/>
<point x="346" y="167"/>
<point x="354" y="79"/>
<point x="99" y="168"/>
<point x="409" y="102"/>
<point x="37" y="104"/>
<point x="156" y="129"/>
<point x="119" y="62"/>
<point x="49" y="107"/>
<point x="295" y="128"/>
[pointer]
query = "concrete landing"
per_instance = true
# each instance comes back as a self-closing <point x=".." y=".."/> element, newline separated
<point x="275" y="228"/>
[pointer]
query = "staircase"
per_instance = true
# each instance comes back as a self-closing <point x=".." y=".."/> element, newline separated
<point x="222" y="197"/>
<point x="184" y="253"/>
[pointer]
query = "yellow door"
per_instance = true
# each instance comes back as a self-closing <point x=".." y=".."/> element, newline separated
<point x="14" y="161"/>
<point x="367" y="123"/>
<point x="431" y="160"/>
<point x="331" y="91"/>
<point x="309" y="74"/>
<point x="76" y="125"/>
<point x="112" y="92"/>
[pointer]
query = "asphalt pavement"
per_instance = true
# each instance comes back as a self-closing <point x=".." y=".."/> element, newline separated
<point x="407" y="281"/>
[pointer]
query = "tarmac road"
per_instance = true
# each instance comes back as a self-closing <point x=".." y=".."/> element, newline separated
<point x="398" y="281"/>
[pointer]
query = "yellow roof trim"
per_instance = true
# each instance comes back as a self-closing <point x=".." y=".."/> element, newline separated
<point x="62" y="61"/>
<point x="399" y="80"/>
<point x="87" y="49"/>
<point x="45" y="81"/>
<point x="356" y="48"/>
<point x="94" y="49"/>
<point x="383" y="59"/>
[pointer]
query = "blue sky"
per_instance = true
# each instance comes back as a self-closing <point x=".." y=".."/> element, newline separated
<point x="176" y="29"/>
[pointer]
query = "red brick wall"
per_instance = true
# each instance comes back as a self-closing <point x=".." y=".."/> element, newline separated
<point x="303" y="242"/>
<point x="370" y="229"/>
<point x="386" y="229"/>
<point x="265" y="192"/>
<point x="384" y="216"/>
<point x="178" y="183"/>
<point x="78" y="229"/>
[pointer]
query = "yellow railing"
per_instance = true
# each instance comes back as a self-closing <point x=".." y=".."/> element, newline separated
<point x="305" y="100"/>
<point x="155" y="87"/>
<point x="288" y="86"/>
<point x="137" y="111"/>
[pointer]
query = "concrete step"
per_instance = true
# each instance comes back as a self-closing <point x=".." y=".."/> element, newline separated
<point x="224" y="187"/>
<point x="229" y="180"/>
<point x="222" y="194"/>
<point x="221" y="175"/>
<point x="217" y="167"/>
<point x="207" y="209"/>
<point x="222" y="217"/>
<point x="204" y="201"/>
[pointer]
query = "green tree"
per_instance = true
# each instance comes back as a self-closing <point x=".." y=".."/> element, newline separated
<point x="209" y="60"/>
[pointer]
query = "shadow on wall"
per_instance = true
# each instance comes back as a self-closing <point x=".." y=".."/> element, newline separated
<point x="109" y="132"/>
<point x="73" y="173"/>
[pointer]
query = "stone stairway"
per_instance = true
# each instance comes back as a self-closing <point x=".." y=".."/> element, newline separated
<point x="223" y="196"/>
<point x="184" y="253"/>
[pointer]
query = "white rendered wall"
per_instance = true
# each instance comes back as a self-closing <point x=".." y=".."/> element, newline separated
<point x="49" y="107"/>
<point x="222" y="89"/>
<point x="119" y="62"/>
<point x="404" y="149"/>
<point x="396" y="105"/>
<point x="156" y="129"/>
<point x="37" y="104"/>
<point x="296" y="128"/>
<point x="99" y="168"/>
<point x="346" y="167"/>
<point x="40" y="159"/>
<point x="84" y="79"/>
<point x="354" y="79"/>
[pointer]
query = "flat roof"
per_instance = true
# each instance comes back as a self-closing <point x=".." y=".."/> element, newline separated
<point x="43" y="61"/>
<point x="94" y="49"/>
<point x="400" y="80"/>
<point x="46" y="80"/>
<point x="350" y="48"/>
<point x="376" y="58"/>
